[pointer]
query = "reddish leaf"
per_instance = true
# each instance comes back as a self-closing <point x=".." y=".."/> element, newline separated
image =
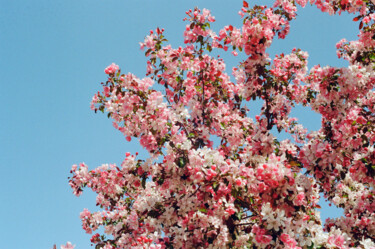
<point x="361" y="25"/>
<point x="245" y="4"/>
<point x="356" y="19"/>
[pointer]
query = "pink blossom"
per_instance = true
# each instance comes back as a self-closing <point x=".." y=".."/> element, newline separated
<point x="68" y="246"/>
<point x="111" y="69"/>
<point x="300" y="199"/>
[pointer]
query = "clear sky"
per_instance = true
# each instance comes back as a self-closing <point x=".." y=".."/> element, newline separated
<point x="52" y="57"/>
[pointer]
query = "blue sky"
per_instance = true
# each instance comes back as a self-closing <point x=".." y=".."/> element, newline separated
<point x="52" y="57"/>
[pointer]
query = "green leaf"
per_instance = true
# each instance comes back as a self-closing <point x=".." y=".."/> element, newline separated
<point x="101" y="108"/>
<point x="203" y="210"/>
<point x="215" y="186"/>
<point x="239" y="215"/>
<point x="209" y="48"/>
<point x="181" y="162"/>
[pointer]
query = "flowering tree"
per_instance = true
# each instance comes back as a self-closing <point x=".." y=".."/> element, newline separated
<point x="252" y="190"/>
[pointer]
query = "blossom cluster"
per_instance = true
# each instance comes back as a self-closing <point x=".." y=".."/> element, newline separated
<point x="217" y="178"/>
